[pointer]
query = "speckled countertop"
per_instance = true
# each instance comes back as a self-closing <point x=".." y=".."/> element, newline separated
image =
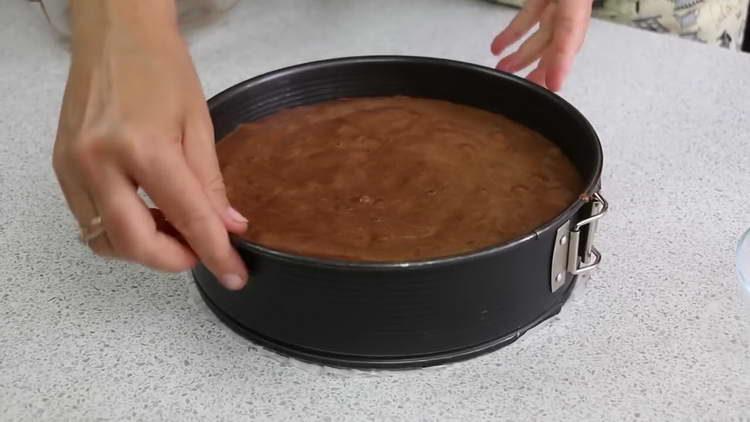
<point x="660" y="332"/>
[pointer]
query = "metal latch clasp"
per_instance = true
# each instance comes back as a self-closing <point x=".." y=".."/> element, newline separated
<point x="567" y="257"/>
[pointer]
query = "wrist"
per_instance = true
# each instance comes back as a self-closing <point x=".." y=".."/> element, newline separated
<point x="93" y="22"/>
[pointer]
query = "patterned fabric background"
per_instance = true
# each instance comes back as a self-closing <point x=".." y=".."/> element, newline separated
<point x="716" y="22"/>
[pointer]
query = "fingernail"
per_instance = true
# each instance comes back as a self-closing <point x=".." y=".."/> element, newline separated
<point x="236" y="216"/>
<point x="232" y="281"/>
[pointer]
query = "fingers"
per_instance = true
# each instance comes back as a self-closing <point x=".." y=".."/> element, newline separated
<point x="562" y="29"/>
<point x="526" y="18"/>
<point x="128" y="233"/>
<point x="527" y="53"/>
<point x="130" y="228"/>
<point x="179" y="194"/>
<point x="84" y="211"/>
<point x="101" y="246"/>
<point x="539" y="75"/>
<point x="570" y="26"/>
<point x="200" y="154"/>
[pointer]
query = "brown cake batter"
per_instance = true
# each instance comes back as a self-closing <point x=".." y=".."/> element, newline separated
<point x="392" y="179"/>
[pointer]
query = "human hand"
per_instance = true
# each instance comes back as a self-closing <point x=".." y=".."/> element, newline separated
<point x="134" y="115"/>
<point x="562" y="29"/>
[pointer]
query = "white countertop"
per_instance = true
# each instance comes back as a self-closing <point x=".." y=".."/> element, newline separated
<point x="660" y="333"/>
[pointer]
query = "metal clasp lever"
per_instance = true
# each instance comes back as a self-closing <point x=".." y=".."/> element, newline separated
<point x="565" y="256"/>
<point x="591" y="256"/>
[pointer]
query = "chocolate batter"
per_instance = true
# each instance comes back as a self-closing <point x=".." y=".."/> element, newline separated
<point x="392" y="179"/>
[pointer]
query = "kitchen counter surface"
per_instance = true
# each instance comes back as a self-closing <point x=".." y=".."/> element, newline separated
<point x="660" y="332"/>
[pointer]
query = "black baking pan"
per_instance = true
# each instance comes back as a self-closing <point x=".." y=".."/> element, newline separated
<point x="410" y="314"/>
